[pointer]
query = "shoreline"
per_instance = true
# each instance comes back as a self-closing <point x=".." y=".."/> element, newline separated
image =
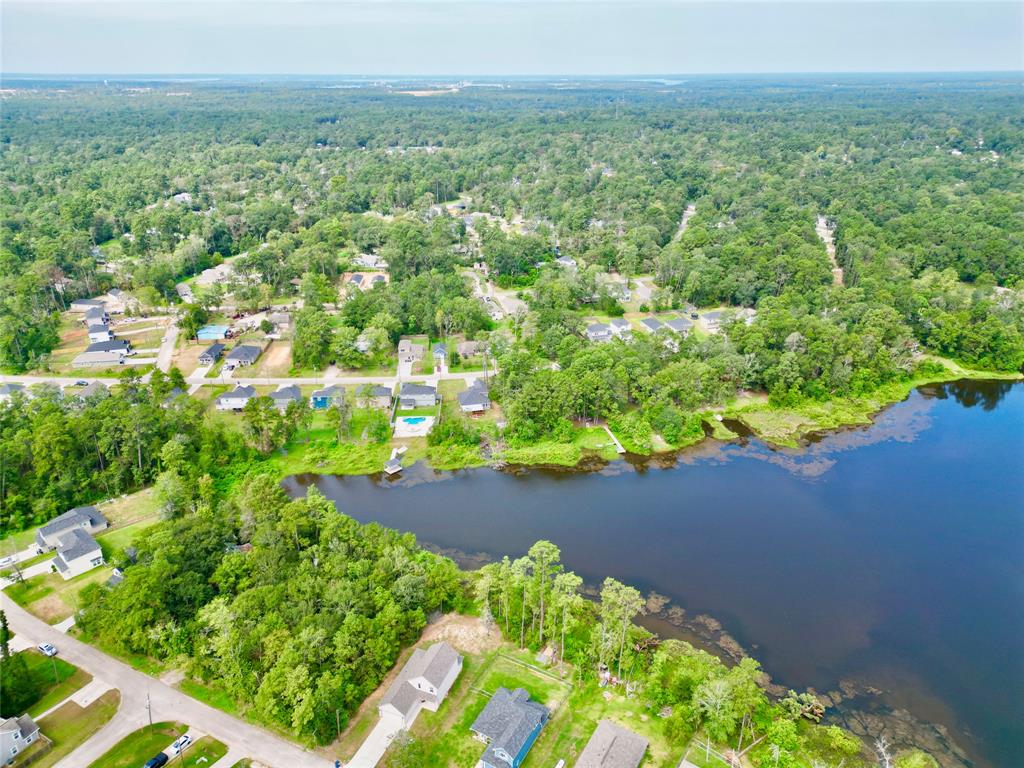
<point x="778" y="428"/>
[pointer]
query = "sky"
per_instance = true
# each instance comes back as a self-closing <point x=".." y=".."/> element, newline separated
<point x="508" y="37"/>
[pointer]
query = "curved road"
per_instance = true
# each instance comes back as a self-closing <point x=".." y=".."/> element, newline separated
<point x="167" y="703"/>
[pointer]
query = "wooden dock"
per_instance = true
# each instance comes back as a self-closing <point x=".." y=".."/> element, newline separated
<point x="618" y="445"/>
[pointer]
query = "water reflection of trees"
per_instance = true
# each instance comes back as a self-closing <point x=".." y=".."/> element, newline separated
<point x="970" y="392"/>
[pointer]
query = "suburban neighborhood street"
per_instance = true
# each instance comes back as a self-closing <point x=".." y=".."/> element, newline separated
<point x="167" y="703"/>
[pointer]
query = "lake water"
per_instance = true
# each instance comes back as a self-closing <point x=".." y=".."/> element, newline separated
<point x="890" y="556"/>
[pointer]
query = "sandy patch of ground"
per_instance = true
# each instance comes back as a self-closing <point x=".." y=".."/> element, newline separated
<point x="466" y="633"/>
<point x="276" y="360"/>
<point x="187" y="357"/>
<point x="51" y="608"/>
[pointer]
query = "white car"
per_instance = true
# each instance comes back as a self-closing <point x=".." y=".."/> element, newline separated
<point x="179" y="746"/>
<point x="47" y="650"/>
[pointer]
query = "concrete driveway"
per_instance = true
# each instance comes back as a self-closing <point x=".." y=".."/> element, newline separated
<point x="376" y="743"/>
<point x="167" y="704"/>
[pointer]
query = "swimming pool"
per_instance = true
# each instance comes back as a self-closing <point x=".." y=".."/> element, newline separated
<point x="211" y="332"/>
<point x="414" y="419"/>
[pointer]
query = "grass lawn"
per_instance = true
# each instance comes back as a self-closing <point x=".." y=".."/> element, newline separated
<point x="204" y="753"/>
<point x="53" y="690"/>
<point x="71" y="725"/>
<point x="51" y="598"/>
<point x="17" y="541"/>
<point x="136" y="748"/>
<point x="208" y="695"/>
<point x="445" y="733"/>
<point x="119" y="538"/>
<point x="131" y="508"/>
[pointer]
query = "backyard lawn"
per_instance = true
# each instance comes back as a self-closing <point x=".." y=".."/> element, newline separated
<point x="71" y="725"/>
<point x="136" y="748"/>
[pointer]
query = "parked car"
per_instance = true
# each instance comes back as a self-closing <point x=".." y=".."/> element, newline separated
<point x="157" y="761"/>
<point x="81" y="383"/>
<point x="47" y="650"/>
<point x="178" y="746"/>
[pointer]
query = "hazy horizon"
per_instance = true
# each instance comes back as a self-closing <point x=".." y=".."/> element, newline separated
<point x="509" y="38"/>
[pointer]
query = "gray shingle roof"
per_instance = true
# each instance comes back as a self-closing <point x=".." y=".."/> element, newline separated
<point x="10" y="389"/>
<point x="242" y="390"/>
<point x="612" y="746"/>
<point x="110" y="345"/>
<point x="408" y="390"/>
<point x="651" y="323"/>
<point x="375" y="390"/>
<point x="95" y="388"/>
<point x="334" y="390"/>
<point x="74" y="544"/>
<point x="287" y="394"/>
<point x="475" y="394"/>
<point x="433" y="664"/>
<point x="74" y="518"/>
<point x="679" y="324"/>
<point x="507" y="722"/>
<point x="215" y="350"/>
<point x="619" y="322"/>
<point x="244" y="353"/>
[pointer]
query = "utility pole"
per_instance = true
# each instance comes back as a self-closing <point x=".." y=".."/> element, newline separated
<point x="149" y="710"/>
<point x="337" y="720"/>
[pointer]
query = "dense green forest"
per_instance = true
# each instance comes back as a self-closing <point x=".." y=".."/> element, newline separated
<point x="919" y="181"/>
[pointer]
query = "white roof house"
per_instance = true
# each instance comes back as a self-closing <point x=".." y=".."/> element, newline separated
<point x="236" y="399"/>
<point x="423" y="683"/>
<point x="77" y="552"/>
<point x="599" y="332"/>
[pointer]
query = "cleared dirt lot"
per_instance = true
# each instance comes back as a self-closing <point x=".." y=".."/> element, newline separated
<point x="275" y="361"/>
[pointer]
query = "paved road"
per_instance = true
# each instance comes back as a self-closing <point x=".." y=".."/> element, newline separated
<point x="167" y="704"/>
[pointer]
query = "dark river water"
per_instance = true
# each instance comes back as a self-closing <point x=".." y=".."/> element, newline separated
<point x="890" y="556"/>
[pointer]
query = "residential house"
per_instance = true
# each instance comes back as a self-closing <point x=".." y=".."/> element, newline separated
<point x="470" y="348"/>
<point x="282" y="321"/>
<point x="77" y="552"/>
<point x="173" y="395"/>
<point x="120" y="346"/>
<point x="566" y="262"/>
<point x="212" y="332"/>
<point x="324" y="398"/>
<point x="713" y="320"/>
<point x="423" y="683"/>
<point x="417" y="396"/>
<point x="369" y="261"/>
<point x="440" y="352"/>
<point x="16" y="734"/>
<point x="621" y="328"/>
<point x="87" y="519"/>
<point x="612" y="746"/>
<point x="409" y="352"/>
<point x="96" y="316"/>
<point x="509" y="724"/>
<point x="211" y="354"/>
<point x="362" y="343"/>
<point x="242" y="355"/>
<point x="84" y="305"/>
<point x="652" y="324"/>
<point x="599" y="332"/>
<point x="7" y="391"/>
<point x="100" y="332"/>
<point x="236" y="399"/>
<point x="98" y="359"/>
<point x="95" y="390"/>
<point x="475" y="398"/>
<point x="285" y="395"/>
<point x="376" y="396"/>
<point x="356" y="280"/>
<point x="680" y="325"/>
